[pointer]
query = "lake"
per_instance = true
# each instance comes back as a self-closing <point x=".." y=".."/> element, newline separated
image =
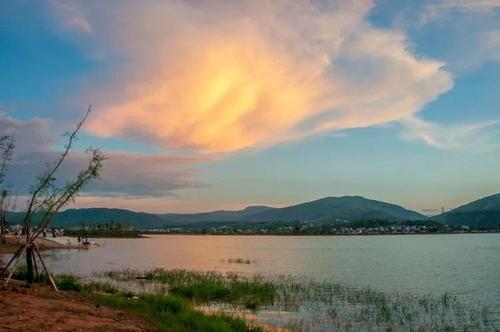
<point x="466" y="265"/>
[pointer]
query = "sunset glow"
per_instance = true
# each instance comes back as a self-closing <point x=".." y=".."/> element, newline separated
<point x="256" y="99"/>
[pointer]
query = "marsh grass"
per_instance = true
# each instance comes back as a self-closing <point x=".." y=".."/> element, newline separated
<point x="325" y="306"/>
<point x="239" y="260"/>
<point x="102" y="287"/>
<point x="174" y="313"/>
<point x="347" y="307"/>
<point x="203" y="287"/>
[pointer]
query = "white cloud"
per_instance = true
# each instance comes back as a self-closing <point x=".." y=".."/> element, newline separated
<point x="477" y="137"/>
<point x="467" y="30"/>
<point x="470" y="4"/>
<point x="216" y="76"/>
<point x="71" y="15"/>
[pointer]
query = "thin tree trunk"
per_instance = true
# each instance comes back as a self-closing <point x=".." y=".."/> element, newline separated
<point x="29" y="264"/>
<point x="49" y="277"/>
<point x="36" y="269"/>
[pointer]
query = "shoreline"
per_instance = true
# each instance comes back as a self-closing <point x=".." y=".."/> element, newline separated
<point x="41" y="308"/>
<point x="43" y="243"/>
<point x="292" y="234"/>
<point x="12" y="244"/>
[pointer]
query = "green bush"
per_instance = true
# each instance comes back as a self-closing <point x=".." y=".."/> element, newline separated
<point x="21" y="272"/>
<point x="68" y="283"/>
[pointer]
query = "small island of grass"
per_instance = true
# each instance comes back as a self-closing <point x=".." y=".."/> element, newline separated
<point x="104" y="231"/>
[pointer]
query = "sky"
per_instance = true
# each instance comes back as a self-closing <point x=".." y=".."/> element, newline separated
<point x="210" y="104"/>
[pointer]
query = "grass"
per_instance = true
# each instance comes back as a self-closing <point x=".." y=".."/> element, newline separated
<point x="203" y="287"/>
<point x="364" y="308"/>
<point x="100" y="287"/>
<point x="64" y="282"/>
<point x="174" y="313"/>
<point x="318" y="305"/>
<point x="68" y="283"/>
<point x="171" y="301"/>
<point x="239" y="260"/>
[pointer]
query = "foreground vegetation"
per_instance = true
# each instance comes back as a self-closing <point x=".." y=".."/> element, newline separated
<point x="179" y="300"/>
<point x="205" y="287"/>
<point x="172" y="312"/>
<point x="302" y="305"/>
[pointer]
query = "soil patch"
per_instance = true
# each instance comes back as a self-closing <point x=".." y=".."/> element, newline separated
<point x="42" y="309"/>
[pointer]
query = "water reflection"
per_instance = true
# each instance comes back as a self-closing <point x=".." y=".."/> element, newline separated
<point x="466" y="265"/>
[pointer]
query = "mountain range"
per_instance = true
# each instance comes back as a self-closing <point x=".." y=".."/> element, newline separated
<point x="481" y="213"/>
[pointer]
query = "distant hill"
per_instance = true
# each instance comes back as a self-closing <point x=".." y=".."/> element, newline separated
<point x="331" y="210"/>
<point x="481" y="213"/>
<point x="77" y="217"/>
<point x="325" y="210"/>
<point x="214" y="216"/>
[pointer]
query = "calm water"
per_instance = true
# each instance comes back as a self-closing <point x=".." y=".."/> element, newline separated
<point x="467" y="265"/>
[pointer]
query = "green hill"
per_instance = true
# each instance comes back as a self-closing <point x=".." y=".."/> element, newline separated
<point x="339" y="208"/>
<point x="214" y="216"/>
<point x="78" y="217"/>
<point x="481" y="213"/>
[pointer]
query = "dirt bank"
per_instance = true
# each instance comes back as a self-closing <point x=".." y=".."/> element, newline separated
<point x="41" y="309"/>
<point x="12" y="243"/>
<point x="42" y="243"/>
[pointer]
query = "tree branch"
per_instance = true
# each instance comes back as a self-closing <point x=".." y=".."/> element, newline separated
<point x="46" y="180"/>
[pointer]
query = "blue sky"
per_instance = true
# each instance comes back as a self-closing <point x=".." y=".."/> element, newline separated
<point x="207" y="105"/>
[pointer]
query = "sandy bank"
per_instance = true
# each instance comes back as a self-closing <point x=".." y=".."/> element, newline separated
<point x="41" y="309"/>
<point x="46" y="243"/>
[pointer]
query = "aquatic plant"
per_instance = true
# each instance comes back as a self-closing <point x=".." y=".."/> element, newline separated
<point x="239" y="260"/>
<point x="100" y="287"/>
<point x="326" y="306"/>
<point x="203" y="287"/>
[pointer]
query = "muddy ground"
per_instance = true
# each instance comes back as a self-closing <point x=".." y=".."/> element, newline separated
<point x="42" y="309"/>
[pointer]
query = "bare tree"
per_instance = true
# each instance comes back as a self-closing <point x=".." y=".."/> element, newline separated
<point x="47" y="198"/>
<point x="6" y="150"/>
<point x="7" y="145"/>
<point x="4" y="206"/>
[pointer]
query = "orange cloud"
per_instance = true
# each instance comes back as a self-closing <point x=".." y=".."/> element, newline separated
<point x="213" y="76"/>
<point x="224" y="96"/>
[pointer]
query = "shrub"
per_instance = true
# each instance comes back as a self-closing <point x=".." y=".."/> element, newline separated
<point x="68" y="283"/>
